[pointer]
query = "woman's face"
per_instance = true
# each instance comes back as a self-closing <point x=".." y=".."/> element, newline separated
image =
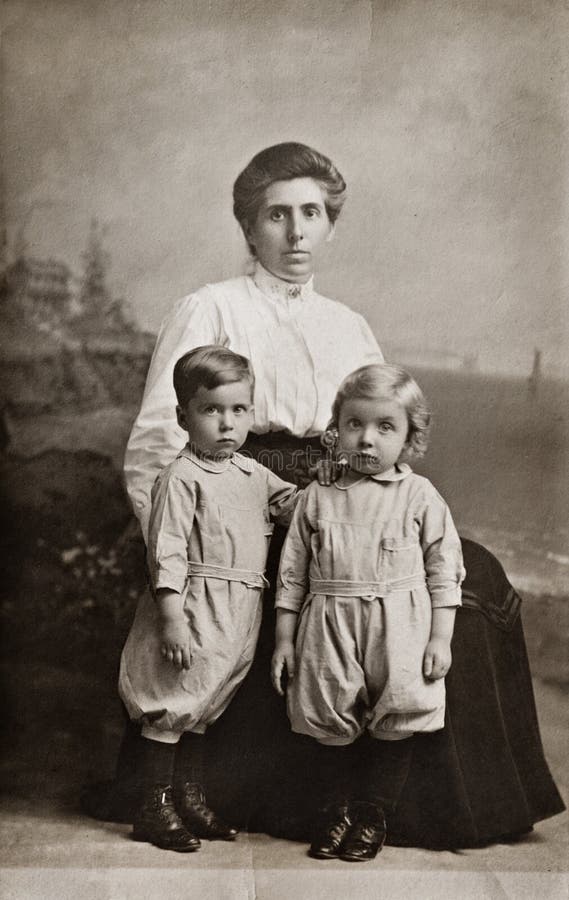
<point x="291" y="225"/>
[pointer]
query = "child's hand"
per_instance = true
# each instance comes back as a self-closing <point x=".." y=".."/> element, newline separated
<point x="283" y="658"/>
<point x="437" y="659"/>
<point x="176" y="642"/>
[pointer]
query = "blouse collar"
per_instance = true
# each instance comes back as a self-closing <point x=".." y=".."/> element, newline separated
<point x="278" y="289"/>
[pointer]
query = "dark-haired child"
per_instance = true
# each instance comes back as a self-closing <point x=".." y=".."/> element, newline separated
<point x="192" y="642"/>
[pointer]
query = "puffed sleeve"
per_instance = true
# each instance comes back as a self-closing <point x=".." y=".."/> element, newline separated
<point x="442" y="551"/>
<point x="156" y="438"/>
<point x="292" y="584"/>
<point x="372" y="352"/>
<point x="170" y="526"/>
<point x="283" y="497"/>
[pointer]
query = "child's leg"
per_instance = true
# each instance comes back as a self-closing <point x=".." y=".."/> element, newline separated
<point x="157" y="820"/>
<point x="383" y="771"/>
<point x="332" y="781"/>
<point x="380" y="777"/>
<point x="189" y="793"/>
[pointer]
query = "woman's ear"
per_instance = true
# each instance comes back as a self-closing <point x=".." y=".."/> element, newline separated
<point x="248" y="234"/>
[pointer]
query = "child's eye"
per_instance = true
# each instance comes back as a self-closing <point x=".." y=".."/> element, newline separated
<point x="354" y="423"/>
<point x="385" y="427"/>
<point x="210" y="410"/>
<point x="239" y="409"/>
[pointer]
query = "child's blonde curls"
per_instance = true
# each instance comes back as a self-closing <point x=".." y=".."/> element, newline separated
<point x="378" y="381"/>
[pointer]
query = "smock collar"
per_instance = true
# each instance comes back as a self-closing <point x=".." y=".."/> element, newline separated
<point x="278" y="289"/>
<point x="396" y="473"/>
<point x="244" y="463"/>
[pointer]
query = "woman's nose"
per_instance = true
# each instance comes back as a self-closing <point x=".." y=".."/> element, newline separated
<point x="296" y="230"/>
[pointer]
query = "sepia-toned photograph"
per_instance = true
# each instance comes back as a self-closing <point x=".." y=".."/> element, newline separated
<point x="284" y="425"/>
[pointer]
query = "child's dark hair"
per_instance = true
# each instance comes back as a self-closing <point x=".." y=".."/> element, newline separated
<point x="382" y="380"/>
<point x="209" y="367"/>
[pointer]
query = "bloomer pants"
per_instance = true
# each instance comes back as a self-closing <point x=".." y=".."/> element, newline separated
<point x="359" y="665"/>
<point x="222" y="608"/>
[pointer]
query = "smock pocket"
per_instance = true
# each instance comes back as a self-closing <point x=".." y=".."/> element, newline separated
<point x="400" y="557"/>
<point x="345" y="550"/>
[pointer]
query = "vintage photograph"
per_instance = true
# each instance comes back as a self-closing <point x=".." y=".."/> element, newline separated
<point x="284" y="415"/>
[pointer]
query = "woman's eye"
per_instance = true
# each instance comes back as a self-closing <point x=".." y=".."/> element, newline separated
<point x="210" y="410"/>
<point x="312" y="213"/>
<point x="277" y="215"/>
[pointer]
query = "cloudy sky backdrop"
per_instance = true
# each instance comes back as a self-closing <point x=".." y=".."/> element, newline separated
<point x="448" y="119"/>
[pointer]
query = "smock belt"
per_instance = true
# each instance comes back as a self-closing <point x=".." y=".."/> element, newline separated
<point x="244" y="576"/>
<point x="366" y="590"/>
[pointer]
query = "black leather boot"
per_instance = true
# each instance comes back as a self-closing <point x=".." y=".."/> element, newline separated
<point x="334" y="823"/>
<point x="158" y="823"/>
<point x="367" y="834"/>
<point x="198" y="817"/>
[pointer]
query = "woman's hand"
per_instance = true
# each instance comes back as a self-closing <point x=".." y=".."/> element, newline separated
<point x="437" y="658"/>
<point x="283" y="660"/>
<point x="328" y="470"/>
<point x="176" y="641"/>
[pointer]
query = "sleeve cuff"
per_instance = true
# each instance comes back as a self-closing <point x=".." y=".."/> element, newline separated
<point x="169" y="581"/>
<point x="446" y="597"/>
<point x="293" y="604"/>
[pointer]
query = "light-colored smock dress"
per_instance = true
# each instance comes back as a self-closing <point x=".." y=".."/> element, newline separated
<point x="363" y="566"/>
<point x="210" y="528"/>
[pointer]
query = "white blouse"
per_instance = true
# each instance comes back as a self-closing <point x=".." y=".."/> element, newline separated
<point x="301" y="346"/>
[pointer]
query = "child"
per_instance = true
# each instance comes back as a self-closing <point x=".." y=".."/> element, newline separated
<point x="193" y="641"/>
<point x="369" y="583"/>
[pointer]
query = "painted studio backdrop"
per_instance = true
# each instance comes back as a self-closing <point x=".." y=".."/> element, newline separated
<point x="125" y="124"/>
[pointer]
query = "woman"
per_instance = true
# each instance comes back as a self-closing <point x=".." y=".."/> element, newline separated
<point x="484" y="775"/>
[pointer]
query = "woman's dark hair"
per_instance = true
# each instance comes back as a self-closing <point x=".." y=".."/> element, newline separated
<point x="209" y="367"/>
<point x="283" y="162"/>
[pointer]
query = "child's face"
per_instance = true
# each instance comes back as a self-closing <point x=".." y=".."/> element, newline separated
<point x="218" y="419"/>
<point x="291" y="225"/>
<point x="372" y="434"/>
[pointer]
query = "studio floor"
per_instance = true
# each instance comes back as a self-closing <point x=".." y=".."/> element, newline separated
<point x="52" y="852"/>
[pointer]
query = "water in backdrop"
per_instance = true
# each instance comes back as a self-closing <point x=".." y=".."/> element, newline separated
<point x="499" y="454"/>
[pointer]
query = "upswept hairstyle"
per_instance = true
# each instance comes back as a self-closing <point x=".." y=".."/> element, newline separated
<point x="209" y="367"/>
<point x="380" y="381"/>
<point x="283" y="162"/>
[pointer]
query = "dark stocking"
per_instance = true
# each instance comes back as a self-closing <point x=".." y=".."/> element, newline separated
<point x="189" y="765"/>
<point x="332" y="777"/>
<point x="157" y="763"/>
<point x="383" y="771"/>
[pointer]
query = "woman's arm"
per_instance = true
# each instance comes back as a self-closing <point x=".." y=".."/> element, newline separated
<point x="156" y="438"/>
